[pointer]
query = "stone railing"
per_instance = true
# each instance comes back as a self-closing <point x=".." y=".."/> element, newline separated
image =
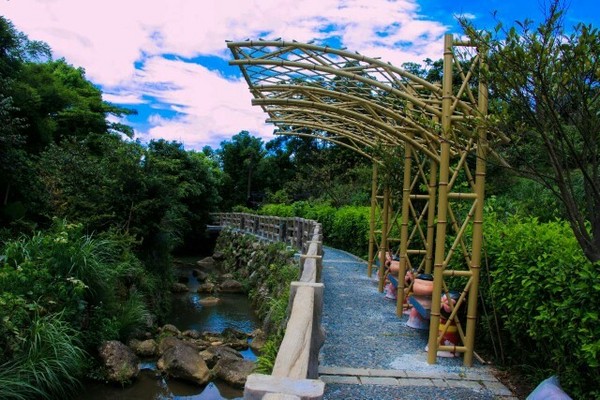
<point x="295" y="372"/>
<point x="296" y="232"/>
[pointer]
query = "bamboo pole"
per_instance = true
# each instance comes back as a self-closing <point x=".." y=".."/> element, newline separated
<point x="438" y="267"/>
<point x="372" y="220"/>
<point x="480" y="171"/>
<point x="433" y="168"/>
<point x="406" y="189"/>
<point x="384" y="236"/>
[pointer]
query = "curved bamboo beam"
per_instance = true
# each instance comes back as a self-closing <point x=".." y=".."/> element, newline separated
<point x="328" y="121"/>
<point x="352" y="76"/>
<point x="317" y="106"/>
<point x="339" y="52"/>
<point x="374" y="108"/>
<point x="319" y="55"/>
<point x="298" y="122"/>
<point x="354" y="148"/>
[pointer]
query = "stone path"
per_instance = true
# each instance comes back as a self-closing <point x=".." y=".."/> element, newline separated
<point x="370" y="353"/>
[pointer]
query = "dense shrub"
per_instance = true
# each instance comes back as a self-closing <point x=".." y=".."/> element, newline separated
<point x="513" y="195"/>
<point x="280" y="210"/>
<point x="324" y="213"/>
<point x="351" y="230"/>
<point x="546" y="293"/>
<point x="345" y="228"/>
<point x="68" y="292"/>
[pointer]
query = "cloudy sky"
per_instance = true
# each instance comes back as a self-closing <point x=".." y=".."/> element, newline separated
<point x="168" y="59"/>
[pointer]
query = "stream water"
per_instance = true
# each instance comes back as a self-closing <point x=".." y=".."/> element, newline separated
<point x="187" y="313"/>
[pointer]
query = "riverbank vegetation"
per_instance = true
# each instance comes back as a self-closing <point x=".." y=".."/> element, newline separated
<point x="266" y="271"/>
<point x="65" y="292"/>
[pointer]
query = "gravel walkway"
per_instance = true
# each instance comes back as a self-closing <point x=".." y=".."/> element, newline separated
<point x="370" y="353"/>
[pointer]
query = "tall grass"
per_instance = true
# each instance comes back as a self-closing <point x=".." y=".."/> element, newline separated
<point x="49" y="366"/>
<point x="132" y="316"/>
<point x="268" y="354"/>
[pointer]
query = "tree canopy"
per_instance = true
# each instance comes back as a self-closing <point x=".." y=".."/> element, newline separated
<point x="545" y="83"/>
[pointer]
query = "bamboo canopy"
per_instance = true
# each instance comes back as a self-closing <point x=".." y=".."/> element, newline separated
<point x="433" y="220"/>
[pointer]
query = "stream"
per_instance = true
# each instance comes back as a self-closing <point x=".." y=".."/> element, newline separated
<point x="187" y="313"/>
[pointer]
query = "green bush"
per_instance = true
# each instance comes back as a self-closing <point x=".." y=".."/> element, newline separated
<point x="351" y="230"/>
<point x="345" y="228"/>
<point x="266" y="360"/>
<point x="547" y="294"/>
<point x="324" y="214"/>
<point x="280" y="210"/>
<point x="526" y="197"/>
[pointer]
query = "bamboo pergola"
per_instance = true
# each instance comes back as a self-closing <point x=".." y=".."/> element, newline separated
<point x="378" y="110"/>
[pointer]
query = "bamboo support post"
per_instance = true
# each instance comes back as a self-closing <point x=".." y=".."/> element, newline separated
<point x="480" y="171"/>
<point x="406" y="189"/>
<point x="442" y="201"/>
<point x="432" y="186"/>
<point x="383" y="248"/>
<point x="372" y="220"/>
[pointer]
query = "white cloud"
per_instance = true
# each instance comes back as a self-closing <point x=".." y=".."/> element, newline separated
<point x="210" y="107"/>
<point x="469" y="16"/>
<point x="121" y="45"/>
<point x="123" y="98"/>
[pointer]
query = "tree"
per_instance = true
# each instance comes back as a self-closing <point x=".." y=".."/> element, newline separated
<point x="42" y="103"/>
<point x="58" y="103"/>
<point x="546" y="96"/>
<point x="15" y="50"/>
<point x="181" y="192"/>
<point x="240" y="158"/>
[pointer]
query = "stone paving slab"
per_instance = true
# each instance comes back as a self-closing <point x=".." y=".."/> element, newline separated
<point x="497" y="388"/>
<point x="370" y="380"/>
<point x="430" y="388"/>
<point x="343" y="371"/>
<point x="415" y="382"/>
<point x="466" y="376"/>
<point x="475" y="381"/>
<point x="474" y="385"/>
<point x="440" y="383"/>
<point x="474" y="376"/>
<point x="388" y="372"/>
<point x="340" y="379"/>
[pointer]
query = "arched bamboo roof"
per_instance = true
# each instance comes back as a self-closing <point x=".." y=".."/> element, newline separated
<point x="347" y="98"/>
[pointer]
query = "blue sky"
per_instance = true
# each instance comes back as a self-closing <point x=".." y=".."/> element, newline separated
<point x="167" y="59"/>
